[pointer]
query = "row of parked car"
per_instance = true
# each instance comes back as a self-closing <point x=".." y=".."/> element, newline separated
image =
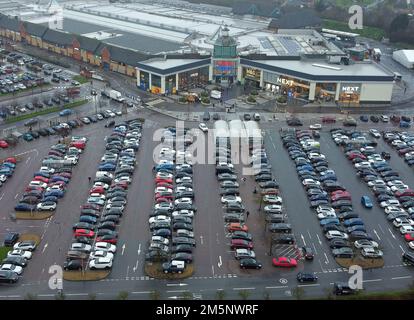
<point x="11" y="268"/>
<point x="393" y="195"/>
<point x="403" y="143"/>
<point x="95" y="235"/>
<point x="171" y="221"/>
<point x="331" y="201"/>
<point x="7" y="169"/>
<point x="49" y="183"/>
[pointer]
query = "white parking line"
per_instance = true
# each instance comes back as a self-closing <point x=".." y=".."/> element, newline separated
<point x="276" y="287"/>
<point x="138" y="292"/>
<point x="172" y="291"/>
<point x="373" y="280"/>
<point x="403" y="277"/>
<point x="402" y="249"/>
<point x="309" y="285"/>
<point x="244" y="288"/>
<point x="391" y="233"/>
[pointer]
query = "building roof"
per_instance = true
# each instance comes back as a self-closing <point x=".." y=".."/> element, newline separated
<point x="320" y="70"/>
<point x="9" y="23"/>
<point x="88" y="44"/>
<point x="295" y="20"/>
<point x="171" y="66"/>
<point x="58" y="37"/>
<point x="224" y="39"/>
<point x="35" y="29"/>
<point x="120" y="54"/>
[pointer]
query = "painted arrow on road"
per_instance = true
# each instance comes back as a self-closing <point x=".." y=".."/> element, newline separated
<point x="220" y="263"/>
<point x="174" y="297"/>
<point x="201" y="239"/>
<point x="136" y="267"/>
<point x="176" y="284"/>
<point x="139" y="249"/>
<point x="123" y="249"/>
<point x="303" y="239"/>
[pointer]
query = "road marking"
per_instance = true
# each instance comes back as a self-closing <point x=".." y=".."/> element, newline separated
<point x="127" y="271"/>
<point x="45" y="295"/>
<point x="244" y="288"/>
<point x="220" y="263"/>
<point x="77" y="294"/>
<point x="326" y="258"/>
<point x="403" y="277"/>
<point x="276" y="287"/>
<point x="123" y="249"/>
<point x="303" y="239"/>
<point x="376" y="233"/>
<point x="201" y="239"/>
<point x="309" y="285"/>
<point x="389" y="241"/>
<point x="310" y="237"/>
<point x="391" y="233"/>
<point x="16" y="195"/>
<point x="136" y="266"/>
<point x="176" y="284"/>
<point x="139" y="249"/>
<point x="138" y="292"/>
<point x="2" y="195"/>
<point x="319" y="240"/>
<point x="382" y="230"/>
<point x="173" y="291"/>
<point x="314" y="247"/>
<point x="44" y="248"/>
<point x="373" y="280"/>
<point x="212" y="269"/>
<point x="402" y="249"/>
<point x="27" y="160"/>
<point x="217" y="237"/>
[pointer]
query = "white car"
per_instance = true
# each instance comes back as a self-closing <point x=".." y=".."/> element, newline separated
<point x="25" y="245"/>
<point x="367" y="148"/>
<point x="43" y="206"/>
<point x="314" y="155"/>
<point x="274" y="208"/>
<point x="183" y="189"/>
<point x="110" y="113"/>
<point x="365" y="244"/>
<point x="183" y="200"/>
<point x="411" y="245"/>
<point x="395" y="183"/>
<point x="159" y="218"/>
<point x="20" y="253"/>
<point x="163" y="189"/>
<point x="97" y="195"/>
<point x="47" y="169"/>
<point x="102" y="254"/>
<point x="268" y="198"/>
<point x="55" y="187"/>
<point x="77" y="246"/>
<point x="325" y="215"/>
<point x="333" y="234"/>
<point x="399" y="222"/>
<point x="164" y="175"/>
<point x="377" y="183"/>
<point x="184" y="212"/>
<point x="371" y="253"/>
<point x="393" y="209"/>
<point x="325" y="209"/>
<point x="184" y="233"/>
<point x="363" y="164"/>
<point x="162" y="240"/>
<point x="306" y="182"/>
<point x="40" y="184"/>
<point x="3" y="178"/>
<point x="203" y="127"/>
<point x="74" y="150"/>
<point x="406" y="229"/>
<point x="123" y="179"/>
<point x="11" y="267"/>
<point x="231" y="199"/>
<point x="100" y="263"/>
<point x="168" y="205"/>
<point x="400" y="188"/>
<point x="375" y="133"/>
<point x="167" y="150"/>
<point x="105" y="246"/>
<point x="111" y="205"/>
<point x="315" y="126"/>
<point x="101" y="185"/>
<point x="390" y="203"/>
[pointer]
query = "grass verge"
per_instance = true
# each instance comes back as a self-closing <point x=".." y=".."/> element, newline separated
<point x="46" y="111"/>
<point x="360" y="261"/>
<point x="80" y="79"/>
<point x="367" y="32"/>
<point x="25" y="215"/>
<point x="3" y="252"/>
<point x="154" y="270"/>
<point x="89" y="275"/>
<point x="24" y="90"/>
<point x="30" y="237"/>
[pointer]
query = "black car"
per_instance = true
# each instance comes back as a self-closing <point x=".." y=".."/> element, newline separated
<point x="247" y="117"/>
<point x="241" y="235"/>
<point x="166" y="233"/>
<point x="286" y="239"/>
<point x="182" y="248"/>
<point x="341" y="288"/>
<point x="182" y="225"/>
<point x="156" y="256"/>
<point x="17" y="261"/>
<point x="183" y="256"/>
<point x="250" y="263"/>
<point x="339" y="243"/>
<point x="280" y="227"/>
<point x="308" y="253"/>
<point x="10" y="239"/>
<point x="7" y="276"/>
<point x="374" y="118"/>
<point x="306" y="277"/>
<point x="72" y="265"/>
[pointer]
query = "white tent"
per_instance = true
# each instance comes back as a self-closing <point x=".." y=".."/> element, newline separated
<point x="404" y="57"/>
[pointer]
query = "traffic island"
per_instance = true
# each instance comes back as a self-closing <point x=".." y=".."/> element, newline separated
<point x="154" y="270"/>
<point x="360" y="261"/>
<point x="88" y="275"/>
<point x="36" y="215"/>
<point x="30" y="237"/>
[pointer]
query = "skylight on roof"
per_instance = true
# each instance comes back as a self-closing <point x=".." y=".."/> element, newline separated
<point x="326" y="67"/>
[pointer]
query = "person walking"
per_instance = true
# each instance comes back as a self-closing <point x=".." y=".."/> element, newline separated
<point x="89" y="179"/>
<point x="247" y="214"/>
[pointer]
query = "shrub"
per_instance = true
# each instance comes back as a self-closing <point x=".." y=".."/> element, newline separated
<point x="281" y="99"/>
<point x="251" y="99"/>
<point x="205" y="100"/>
<point x="204" y="94"/>
<point x="183" y="99"/>
<point x="254" y="93"/>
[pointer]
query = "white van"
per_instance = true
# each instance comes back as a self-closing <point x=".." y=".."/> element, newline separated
<point x="215" y="94"/>
<point x="100" y="174"/>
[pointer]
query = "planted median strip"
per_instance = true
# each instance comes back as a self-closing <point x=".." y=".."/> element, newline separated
<point x="47" y="111"/>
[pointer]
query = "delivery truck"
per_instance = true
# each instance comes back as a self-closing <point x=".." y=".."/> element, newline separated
<point x="113" y="94"/>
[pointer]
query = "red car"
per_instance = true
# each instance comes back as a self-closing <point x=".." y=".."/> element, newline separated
<point x="84" y="233"/>
<point x="409" y="237"/>
<point x="402" y="152"/>
<point x="405" y="193"/>
<point x="284" y="262"/>
<point x="90" y="206"/>
<point x="63" y="174"/>
<point x="341" y="197"/>
<point x="352" y="156"/>
<point x="31" y="188"/>
<point x="11" y="159"/>
<point x="59" y="183"/>
<point x="237" y="226"/>
<point x="241" y="244"/>
<point x="3" y="144"/>
<point x="78" y="144"/>
<point x="108" y="239"/>
<point x="166" y="185"/>
<point x="163" y="199"/>
<point x="122" y="184"/>
<point x="337" y="192"/>
<point x="328" y="120"/>
<point x="157" y="180"/>
<point x="40" y="178"/>
<point x="164" y="195"/>
<point x="99" y="190"/>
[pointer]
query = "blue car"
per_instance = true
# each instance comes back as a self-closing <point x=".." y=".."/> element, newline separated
<point x="24" y="207"/>
<point x="404" y="124"/>
<point x="54" y="193"/>
<point x="356" y="228"/>
<point x="59" y="178"/>
<point x="318" y="197"/>
<point x="65" y="112"/>
<point x="353" y="222"/>
<point x="364" y="118"/>
<point x="165" y="166"/>
<point x="88" y="219"/>
<point x="304" y="167"/>
<point x="27" y="137"/>
<point x="107" y="167"/>
<point x="50" y="198"/>
<point x="328" y="177"/>
<point x="42" y="174"/>
<point x="9" y="165"/>
<point x="6" y="172"/>
<point x="327" y="221"/>
<point x="366" y="202"/>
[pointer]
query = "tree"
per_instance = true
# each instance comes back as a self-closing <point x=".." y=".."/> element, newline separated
<point x="320" y="5"/>
<point x="244" y="294"/>
<point x="298" y="293"/>
<point x="220" y="295"/>
<point x="400" y="23"/>
<point x="154" y="295"/>
<point x="122" y="295"/>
